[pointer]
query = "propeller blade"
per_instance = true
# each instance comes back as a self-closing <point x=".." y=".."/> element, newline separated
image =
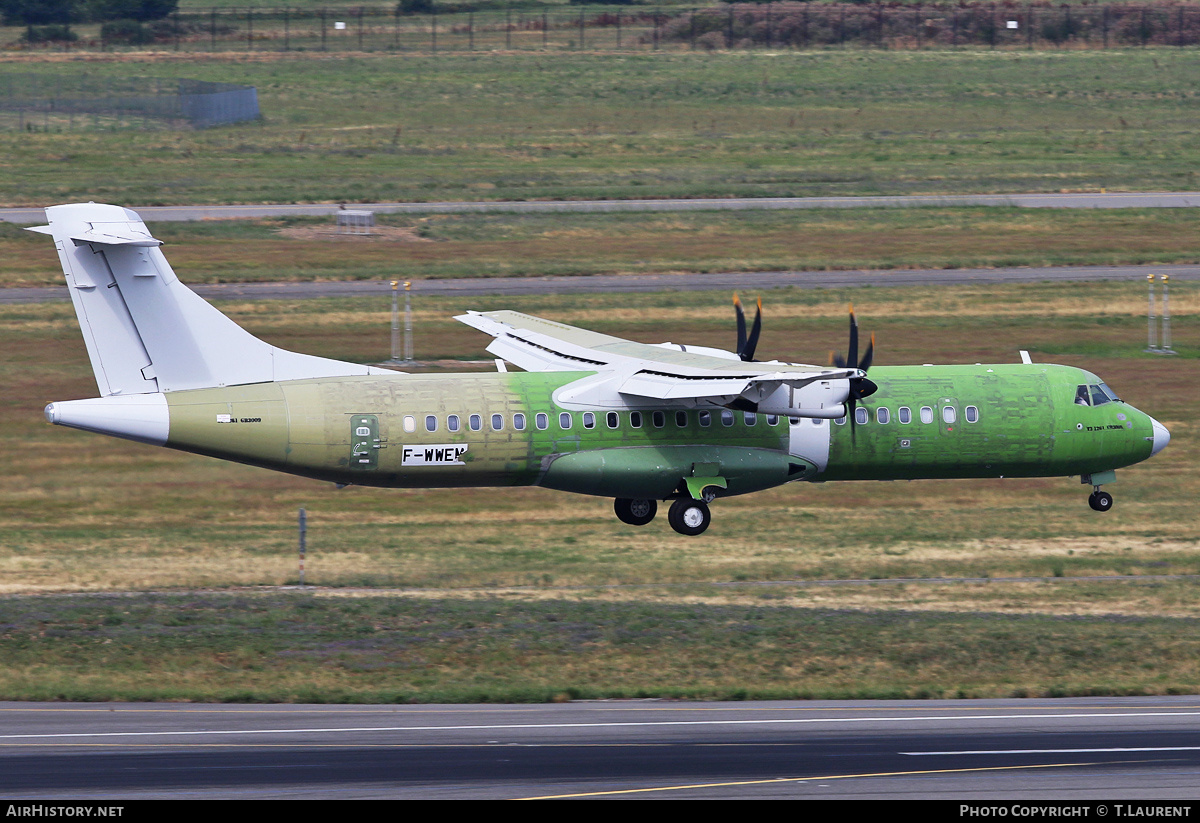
<point x="741" y="325"/>
<point x="852" y="355"/>
<point x="747" y="351"/>
<point x="860" y="387"/>
<point x="865" y="363"/>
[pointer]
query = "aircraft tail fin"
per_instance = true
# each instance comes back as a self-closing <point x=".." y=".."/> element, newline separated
<point x="145" y="330"/>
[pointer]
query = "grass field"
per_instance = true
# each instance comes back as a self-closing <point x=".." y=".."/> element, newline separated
<point x="414" y="248"/>
<point x="528" y="594"/>
<point x="521" y="126"/>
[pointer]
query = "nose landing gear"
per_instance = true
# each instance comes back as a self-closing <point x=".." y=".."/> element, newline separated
<point x="1098" y="500"/>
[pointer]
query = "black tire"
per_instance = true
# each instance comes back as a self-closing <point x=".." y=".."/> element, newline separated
<point x="1100" y="501"/>
<point x="635" y="512"/>
<point x="689" y="517"/>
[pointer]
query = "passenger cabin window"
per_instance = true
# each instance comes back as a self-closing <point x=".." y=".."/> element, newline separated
<point x="772" y="420"/>
<point x="613" y="420"/>
<point x="452" y="423"/>
<point x="882" y="416"/>
<point x="589" y="420"/>
<point x="726" y="417"/>
<point x="905" y="414"/>
<point x="476" y="422"/>
<point x="949" y="414"/>
<point x="564" y="420"/>
<point x="861" y="416"/>
<point x="635" y="419"/>
<point x="705" y="418"/>
<point x="410" y="423"/>
<point x="519" y="422"/>
<point x="659" y="418"/>
<point x="430" y="423"/>
<point x="497" y="422"/>
<point x="972" y="414"/>
<point x="841" y="421"/>
<point x="542" y="421"/>
<point x="926" y="414"/>
<point x="749" y="419"/>
<point x="681" y="419"/>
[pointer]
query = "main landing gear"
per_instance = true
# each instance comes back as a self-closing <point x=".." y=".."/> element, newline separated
<point x="690" y="517"/>
<point x="686" y="516"/>
<point x="635" y="512"/>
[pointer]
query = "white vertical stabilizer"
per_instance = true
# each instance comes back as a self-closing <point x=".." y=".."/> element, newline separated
<point x="145" y="330"/>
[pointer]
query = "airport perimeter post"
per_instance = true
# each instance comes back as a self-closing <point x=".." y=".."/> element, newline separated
<point x="1166" y="318"/>
<point x="1151" y="343"/>
<point x="396" y="322"/>
<point x="408" y="344"/>
<point x="303" y="532"/>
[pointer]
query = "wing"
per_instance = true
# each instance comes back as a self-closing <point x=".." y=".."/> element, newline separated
<point x="666" y="374"/>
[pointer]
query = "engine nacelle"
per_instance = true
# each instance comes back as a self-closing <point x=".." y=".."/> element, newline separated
<point x="825" y="399"/>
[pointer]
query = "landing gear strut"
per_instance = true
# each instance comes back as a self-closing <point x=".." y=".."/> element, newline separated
<point x="1100" y="501"/>
<point x="690" y="517"/>
<point x="635" y="512"/>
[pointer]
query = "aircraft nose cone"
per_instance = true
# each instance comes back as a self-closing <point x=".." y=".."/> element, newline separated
<point x="1161" y="437"/>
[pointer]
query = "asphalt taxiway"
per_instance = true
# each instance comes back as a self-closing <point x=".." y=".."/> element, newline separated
<point x="1036" y="200"/>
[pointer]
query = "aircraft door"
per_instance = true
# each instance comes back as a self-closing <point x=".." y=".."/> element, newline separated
<point x="365" y="441"/>
<point x="808" y="439"/>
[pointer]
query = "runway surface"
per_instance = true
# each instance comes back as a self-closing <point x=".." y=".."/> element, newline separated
<point x="1094" y="748"/>
<point x="1048" y="200"/>
<point x="517" y="286"/>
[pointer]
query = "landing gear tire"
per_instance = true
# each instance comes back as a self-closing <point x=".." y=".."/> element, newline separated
<point x="635" y="512"/>
<point x="690" y="517"/>
<point x="1100" y="501"/>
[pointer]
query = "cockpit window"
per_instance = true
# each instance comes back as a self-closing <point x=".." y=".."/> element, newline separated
<point x="1099" y="398"/>
<point x="1081" y="396"/>
<point x="1111" y="394"/>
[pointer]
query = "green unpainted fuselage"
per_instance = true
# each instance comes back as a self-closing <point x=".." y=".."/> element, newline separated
<point x="506" y="429"/>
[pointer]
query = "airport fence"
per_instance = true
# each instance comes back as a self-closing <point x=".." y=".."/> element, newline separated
<point x="794" y="25"/>
<point x="43" y="102"/>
